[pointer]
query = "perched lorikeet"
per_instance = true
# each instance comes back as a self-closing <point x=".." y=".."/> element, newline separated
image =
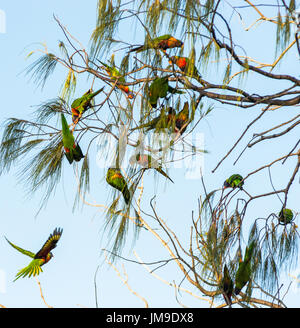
<point x="148" y="162"/>
<point x="186" y="65"/>
<point x="72" y="150"/>
<point x="234" y="181"/>
<point x="162" y="42"/>
<point x="159" y="88"/>
<point x="43" y="256"/>
<point x="163" y="121"/>
<point x="285" y="216"/>
<point x="182" y="118"/>
<point x="243" y="273"/>
<point x="113" y="72"/>
<point x="115" y="178"/>
<point x="227" y="285"/>
<point x="80" y="105"/>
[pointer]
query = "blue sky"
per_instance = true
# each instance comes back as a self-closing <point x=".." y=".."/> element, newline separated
<point x="68" y="279"/>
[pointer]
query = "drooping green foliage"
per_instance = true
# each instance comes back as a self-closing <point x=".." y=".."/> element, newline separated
<point x="108" y="18"/>
<point x="42" y="68"/>
<point x="277" y="249"/>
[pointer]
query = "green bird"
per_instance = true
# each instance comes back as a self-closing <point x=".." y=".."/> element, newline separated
<point x="115" y="178"/>
<point x="163" y="42"/>
<point x="113" y="72"/>
<point x="186" y="65"/>
<point x="285" y="216"/>
<point x="148" y="162"/>
<point x="43" y="256"/>
<point x="162" y="121"/>
<point x="159" y="88"/>
<point x="182" y="119"/>
<point x="80" y="105"/>
<point x="227" y="286"/>
<point x="72" y="150"/>
<point x="243" y="273"/>
<point x="234" y="181"/>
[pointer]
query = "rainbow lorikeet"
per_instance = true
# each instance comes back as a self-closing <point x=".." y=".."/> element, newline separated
<point x="186" y="65"/>
<point x="162" y="121"/>
<point x="113" y="72"/>
<point x="80" y="105"/>
<point x="227" y="285"/>
<point x="162" y="42"/>
<point x="243" y="273"/>
<point x="234" y="181"/>
<point x="285" y="216"/>
<point x="159" y="88"/>
<point x="43" y="256"/>
<point x="72" y="150"/>
<point x="115" y="178"/>
<point x="182" y="119"/>
<point x="148" y="162"/>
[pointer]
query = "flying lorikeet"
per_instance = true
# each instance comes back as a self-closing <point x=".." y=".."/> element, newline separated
<point x="159" y="88"/>
<point x="234" y="181"/>
<point x="162" y="42"/>
<point x="148" y="162"/>
<point x="243" y="273"/>
<point x="285" y="216"/>
<point x="182" y="119"/>
<point x="113" y="72"/>
<point x="115" y="178"/>
<point x="72" y="150"/>
<point x="43" y="256"/>
<point x="163" y="121"/>
<point x="80" y="105"/>
<point x="186" y="65"/>
<point x="227" y="285"/>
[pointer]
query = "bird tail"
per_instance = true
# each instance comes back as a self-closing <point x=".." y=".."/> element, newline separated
<point x="140" y="48"/>
<point x="69" y="157"/>
<point x="249" y="251"/>
<point x="174" y="90"/>
<point x="104" y="64"/>
<point x="237" y="290"/>
<point x="227" y="299"/>
<point x="126" y="195"/>
<point x="97" y="92"/>
<point x="159" y="169"/>
<point x="77" y="153"/>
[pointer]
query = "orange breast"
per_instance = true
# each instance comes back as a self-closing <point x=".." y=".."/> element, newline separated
<point x="181" y="62"/>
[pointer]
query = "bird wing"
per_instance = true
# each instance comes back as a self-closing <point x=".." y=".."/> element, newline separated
<point x="23" y="251"/>
<point x="49" y="244"/>
<point x="32" y="269"/>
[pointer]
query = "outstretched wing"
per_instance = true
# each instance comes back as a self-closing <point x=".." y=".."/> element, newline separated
<point x="49" y="244"/>
<point x="23" y="251"/>
<point x="32" y="269"/>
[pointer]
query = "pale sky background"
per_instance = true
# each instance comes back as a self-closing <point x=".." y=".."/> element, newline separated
<point x="68" y="279"/>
